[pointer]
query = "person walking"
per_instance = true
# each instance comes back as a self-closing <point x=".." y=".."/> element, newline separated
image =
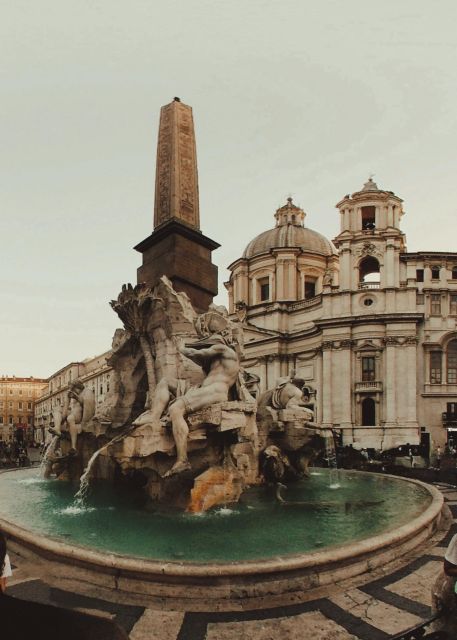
<point x="438" y="457"/>
<point x="5" y="564"/>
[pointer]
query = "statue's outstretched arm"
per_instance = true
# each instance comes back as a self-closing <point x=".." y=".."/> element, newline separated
<point x="200" y="355"/>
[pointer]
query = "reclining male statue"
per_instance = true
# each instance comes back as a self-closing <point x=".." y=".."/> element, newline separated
<point x="217" y="354"/>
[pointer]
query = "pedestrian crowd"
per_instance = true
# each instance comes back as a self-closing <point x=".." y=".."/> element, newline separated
<point x="13" y="454"/>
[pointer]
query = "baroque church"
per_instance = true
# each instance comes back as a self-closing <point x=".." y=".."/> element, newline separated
<point x="369" y="327"/>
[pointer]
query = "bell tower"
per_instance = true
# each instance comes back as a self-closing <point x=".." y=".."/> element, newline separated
<point x="176" y="247"/>
<point x="370" y="239"/>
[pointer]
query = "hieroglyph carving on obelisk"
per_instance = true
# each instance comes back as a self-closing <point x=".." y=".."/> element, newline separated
<point x="176" y="194"/>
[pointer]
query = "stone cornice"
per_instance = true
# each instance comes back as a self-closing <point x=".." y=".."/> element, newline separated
<point x="175" y="227"/>
<point x="369" y="319"/>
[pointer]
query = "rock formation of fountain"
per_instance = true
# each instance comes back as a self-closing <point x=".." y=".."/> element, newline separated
<point x="180" y="413"/>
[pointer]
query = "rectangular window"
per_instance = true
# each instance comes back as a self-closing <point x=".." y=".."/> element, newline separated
<point x="29" y="406"/>
<point x="10" y="419"/>
<point x="420" y="275"/>
<point x="420" y="298"/>
<point x="435" y="273"/>
<point x="20" y="406"/>
<point x="1" y="419"/>
<point x="368" y="369"/>
<point x="310" y="288"/>
<point x="453" y="304"/>
<point x="10" y="405"/>
<point x="452" y="408"/>
<point x="435" y="304"/>
<point x="452" y="366"/>
<point x="435" y="367"/>
<point x="264" y="289"/>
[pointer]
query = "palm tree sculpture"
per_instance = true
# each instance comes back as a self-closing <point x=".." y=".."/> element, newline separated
<point x="134" y="306"/>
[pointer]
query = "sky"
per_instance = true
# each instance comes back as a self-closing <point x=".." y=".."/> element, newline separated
<point x="290" y="97"/>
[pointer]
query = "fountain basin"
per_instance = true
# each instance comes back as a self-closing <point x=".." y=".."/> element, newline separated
<point x="284" y="577"/>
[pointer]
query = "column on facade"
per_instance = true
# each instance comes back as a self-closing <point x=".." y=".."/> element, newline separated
<point x="279" y="294"/>
<point x="358" y="219"/>
<point x="264" y="381"/>
<point x="401" y="373"/>
<point x="396" y="217"/>
<point x="378" y="220"/>
<point x="346" y="224"/>
<point x="342" y="384"/>
<point x="327" y="417"/>
<point x="389" y="266"/>
<point x="319" y="388"/>
<point x="243" y="287"/>
<point x="390" y="396"/>
<point x="411" y="390"/>
<point x="284" y="366"/>
<point x="345" y="269"/>
<point x="390" y="216"/>
<point x="276" y="369"/>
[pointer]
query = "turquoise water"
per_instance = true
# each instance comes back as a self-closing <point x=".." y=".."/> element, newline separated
<point x="259" y="527"/>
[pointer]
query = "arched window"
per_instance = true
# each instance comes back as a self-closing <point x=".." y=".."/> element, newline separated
<point x="452" y="362"/>
<point x="368" y="218"/>
<point x="369" y="273"/>
<point x="368" y="412"/>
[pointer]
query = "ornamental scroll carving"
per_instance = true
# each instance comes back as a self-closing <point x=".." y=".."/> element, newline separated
<point x="368" y="249"/>
<point x="399" y="340"/>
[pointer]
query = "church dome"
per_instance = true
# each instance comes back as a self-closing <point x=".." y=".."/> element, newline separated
<point x="289" y="233"/>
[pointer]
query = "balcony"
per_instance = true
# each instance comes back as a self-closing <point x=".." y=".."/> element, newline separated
<point x="369" y="285"/>
<point x="449" y="419"/>
<point x="368" y="386"/>
<point x="304" y="304"/>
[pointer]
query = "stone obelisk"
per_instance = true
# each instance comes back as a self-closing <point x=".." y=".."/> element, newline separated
<point x="176" y="247"/>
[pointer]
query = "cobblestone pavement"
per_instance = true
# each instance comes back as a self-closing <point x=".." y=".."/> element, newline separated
<point x="374" y="610"/>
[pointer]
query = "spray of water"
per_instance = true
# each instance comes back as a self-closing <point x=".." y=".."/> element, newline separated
<point x="330" y="454"/>
<point x="46" y="455"/>
<point x="84" y="481"/>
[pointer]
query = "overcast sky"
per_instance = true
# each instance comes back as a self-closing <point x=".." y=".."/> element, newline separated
<point x="291" y="97"/>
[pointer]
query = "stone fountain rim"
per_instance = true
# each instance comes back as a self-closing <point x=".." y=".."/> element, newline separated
<point x="112" y="562"/>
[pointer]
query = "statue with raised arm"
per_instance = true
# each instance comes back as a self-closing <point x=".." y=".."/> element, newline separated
<point x="217" y="353"/>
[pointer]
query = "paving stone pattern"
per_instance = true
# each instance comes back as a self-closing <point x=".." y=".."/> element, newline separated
<point x="375" y="610"/>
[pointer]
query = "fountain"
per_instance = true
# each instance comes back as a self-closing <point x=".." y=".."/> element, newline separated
<point x="181" y="475"/>
<point x="178" y="474"/>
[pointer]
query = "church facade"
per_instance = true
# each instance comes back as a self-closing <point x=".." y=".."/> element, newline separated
<point x="370" y="327"/>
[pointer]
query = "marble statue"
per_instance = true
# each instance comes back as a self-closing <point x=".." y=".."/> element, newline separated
<point x="290" y="437"/>
<point x="217" y="353"/>
<point x="77" y="414"/>
<point x="287" y="394"/>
